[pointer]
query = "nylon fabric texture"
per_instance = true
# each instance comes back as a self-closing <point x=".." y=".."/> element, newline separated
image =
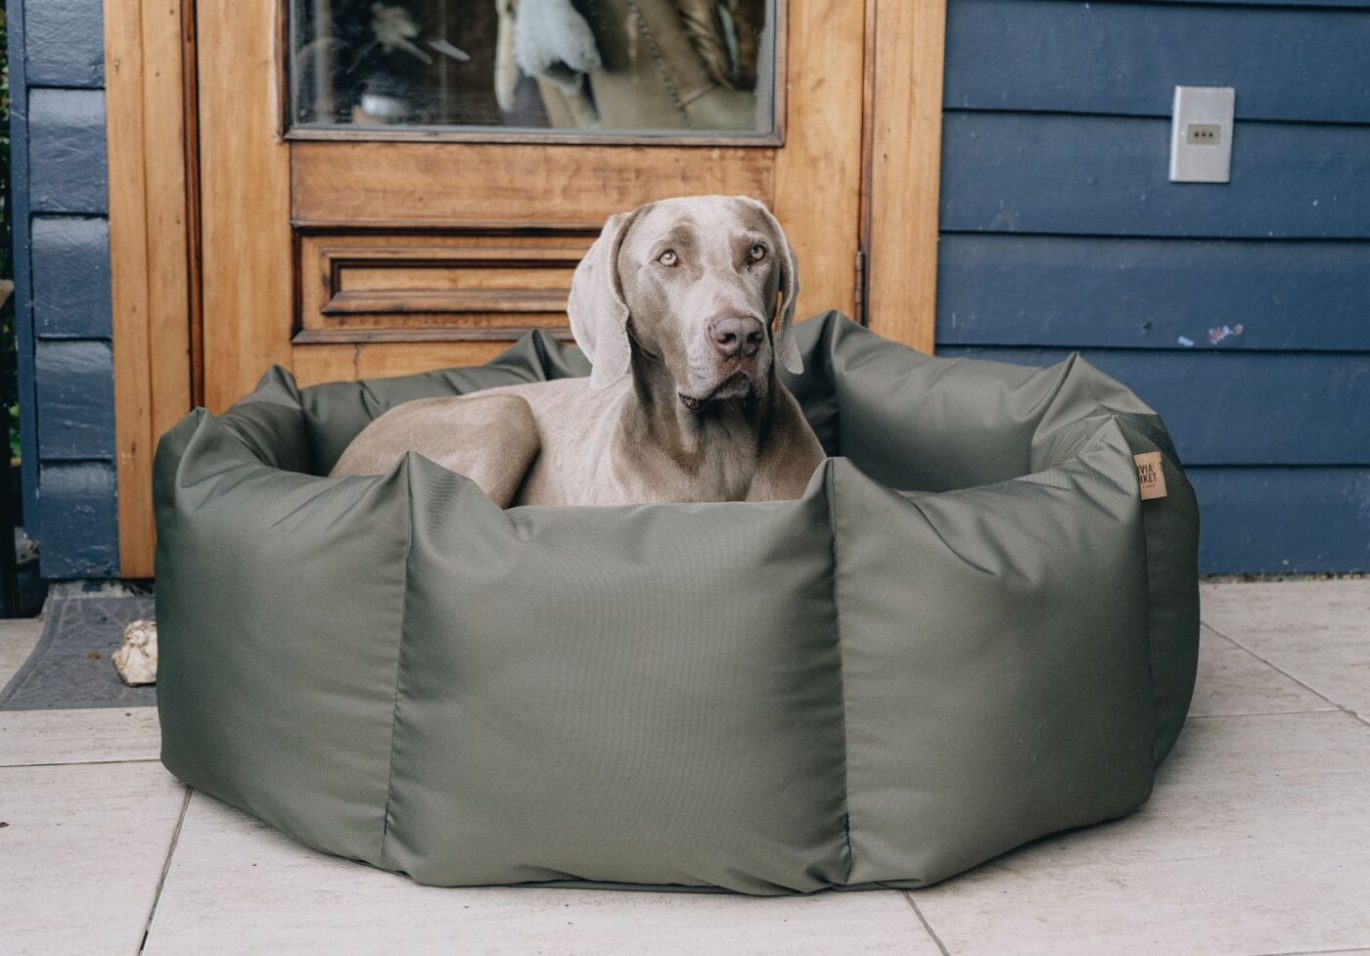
<point x="969" y="633"/>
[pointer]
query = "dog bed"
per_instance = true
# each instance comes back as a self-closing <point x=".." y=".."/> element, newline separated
<point x="970" y="632"/>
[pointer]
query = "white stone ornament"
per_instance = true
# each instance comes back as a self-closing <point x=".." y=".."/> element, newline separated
<point x="136" y="661"/>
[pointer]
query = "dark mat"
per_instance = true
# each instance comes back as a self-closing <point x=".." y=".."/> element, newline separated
<point x="70" y="666"/>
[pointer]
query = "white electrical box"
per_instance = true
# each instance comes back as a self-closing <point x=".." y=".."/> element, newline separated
<point x="1201" y="134"/>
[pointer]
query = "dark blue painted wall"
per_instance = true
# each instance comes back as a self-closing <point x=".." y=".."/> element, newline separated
<point x="62" y="284"/>
<point x="1241" y="312"/>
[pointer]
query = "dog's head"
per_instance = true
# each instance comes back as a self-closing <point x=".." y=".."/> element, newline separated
<point x="704" y="285"/>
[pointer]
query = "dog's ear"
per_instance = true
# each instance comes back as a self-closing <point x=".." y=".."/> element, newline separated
<point x="785" y="348"/>
<point x="599" y="316"/>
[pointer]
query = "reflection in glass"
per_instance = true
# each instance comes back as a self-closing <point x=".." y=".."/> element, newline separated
<point x="630" y="65"/>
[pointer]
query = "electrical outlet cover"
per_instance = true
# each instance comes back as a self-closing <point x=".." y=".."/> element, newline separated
<point x="1201" y="134"/>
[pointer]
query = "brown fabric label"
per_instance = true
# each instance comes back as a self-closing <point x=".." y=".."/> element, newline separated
<point x="1150" y="475"/>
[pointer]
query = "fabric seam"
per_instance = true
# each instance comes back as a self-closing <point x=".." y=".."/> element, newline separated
<point x="1125" y="427"/>
<point x="841" y="676"/>
<point x="399" y="654"/>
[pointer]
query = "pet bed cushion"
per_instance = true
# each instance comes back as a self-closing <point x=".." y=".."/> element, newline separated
<point x="970" y="632"/>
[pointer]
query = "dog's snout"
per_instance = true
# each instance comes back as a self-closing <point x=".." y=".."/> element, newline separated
<point x="737" y="335"/>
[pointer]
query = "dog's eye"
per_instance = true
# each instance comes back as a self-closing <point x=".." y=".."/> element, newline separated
<point x="756" y="253"/>
<point x="668" y="258"/>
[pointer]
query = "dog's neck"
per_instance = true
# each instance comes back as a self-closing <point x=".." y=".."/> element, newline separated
<point x="712" y="452"/>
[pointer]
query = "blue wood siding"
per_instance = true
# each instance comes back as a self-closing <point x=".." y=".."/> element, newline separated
<point x="71" y="279"/>
<point x="83" y="541"/>
<point x="1091" y="291"/>
<point x="65" y="43"/>
<point x="1241" y="312"/>
<point x="1107" y="176"/>
<point x="1237" y="408"/>
<point x="1124" y="59"/>
<point x="62" y="284"/>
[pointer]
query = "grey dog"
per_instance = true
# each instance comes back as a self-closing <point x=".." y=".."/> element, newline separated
<point x="683" y="307"/>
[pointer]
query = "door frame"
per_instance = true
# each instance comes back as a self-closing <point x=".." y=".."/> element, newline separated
<point x="154" y="244"/>
<point x="152" y="108"/>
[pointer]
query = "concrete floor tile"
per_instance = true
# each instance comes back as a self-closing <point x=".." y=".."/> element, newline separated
<point x="1316" y="631"/>
<point x="95" y="735"/>
<point x="1254" y="842"/>
<point x="235" y="886"/>
<point x="18" y="637"/>
<point x="1234" y="681"/>
<point x="81" y="855"/>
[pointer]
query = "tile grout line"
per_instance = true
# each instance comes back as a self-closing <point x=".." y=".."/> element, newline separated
<point x="77" y="763"/>
<point x="927" y="927"/>
<point x="166" y="868"/>
<point x="1308" y="687"/>
<point x="1265" y="713"/>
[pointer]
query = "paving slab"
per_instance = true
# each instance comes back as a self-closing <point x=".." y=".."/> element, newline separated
<point x="236" y="886"/>
<point x="1232" y="681"/>
<point x="1254" y="842"/>
<point x="81" y="855"/>
<point x="94" y="735"/>
<point x="1316" y="631"/>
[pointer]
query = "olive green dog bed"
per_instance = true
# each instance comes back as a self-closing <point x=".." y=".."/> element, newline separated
<point x="970" y="632"/>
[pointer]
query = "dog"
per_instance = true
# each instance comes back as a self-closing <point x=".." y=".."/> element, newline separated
<point x="683" y="307"/>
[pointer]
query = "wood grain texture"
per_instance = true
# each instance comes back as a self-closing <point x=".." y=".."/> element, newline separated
<point x="553" y="137"/>
<point x="150" y="250"/>
<point x="1125" y="58"/>
<point x="904" y="170"/>
<point x="529" y="189"/>
<point x="433" y="285"/>
<point x="1082" y="291"/>
<point x="246" y="278"/>
<point x="1238" y="408"/>
<point x="408" y="184"/>
<point x="1095" y="175"/>
<point x="817" y="190"/>
<point x="316" y="364"/>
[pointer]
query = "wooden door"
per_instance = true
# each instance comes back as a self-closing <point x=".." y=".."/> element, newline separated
<point x="239" y="240"/>
<point x="350" y="250"/>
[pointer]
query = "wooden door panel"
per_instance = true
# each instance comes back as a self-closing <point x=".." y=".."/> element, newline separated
<point x="315" y="364"/>
<point x="223" y="213"/>
<point x="467" y="285"/>
<point x="246" y="272"/>
<point x="350" y="257"/>
<point x="409" y="184"/>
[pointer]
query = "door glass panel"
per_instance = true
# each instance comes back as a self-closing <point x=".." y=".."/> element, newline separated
<point x="633" y="66"/>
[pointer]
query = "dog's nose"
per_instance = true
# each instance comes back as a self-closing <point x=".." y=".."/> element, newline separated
<point x="735" y="335"/>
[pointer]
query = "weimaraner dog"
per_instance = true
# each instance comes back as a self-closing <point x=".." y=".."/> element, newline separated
<point x="683" y="308"/>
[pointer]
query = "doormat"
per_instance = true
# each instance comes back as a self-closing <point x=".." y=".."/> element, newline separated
<point x="70" y="666"/>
